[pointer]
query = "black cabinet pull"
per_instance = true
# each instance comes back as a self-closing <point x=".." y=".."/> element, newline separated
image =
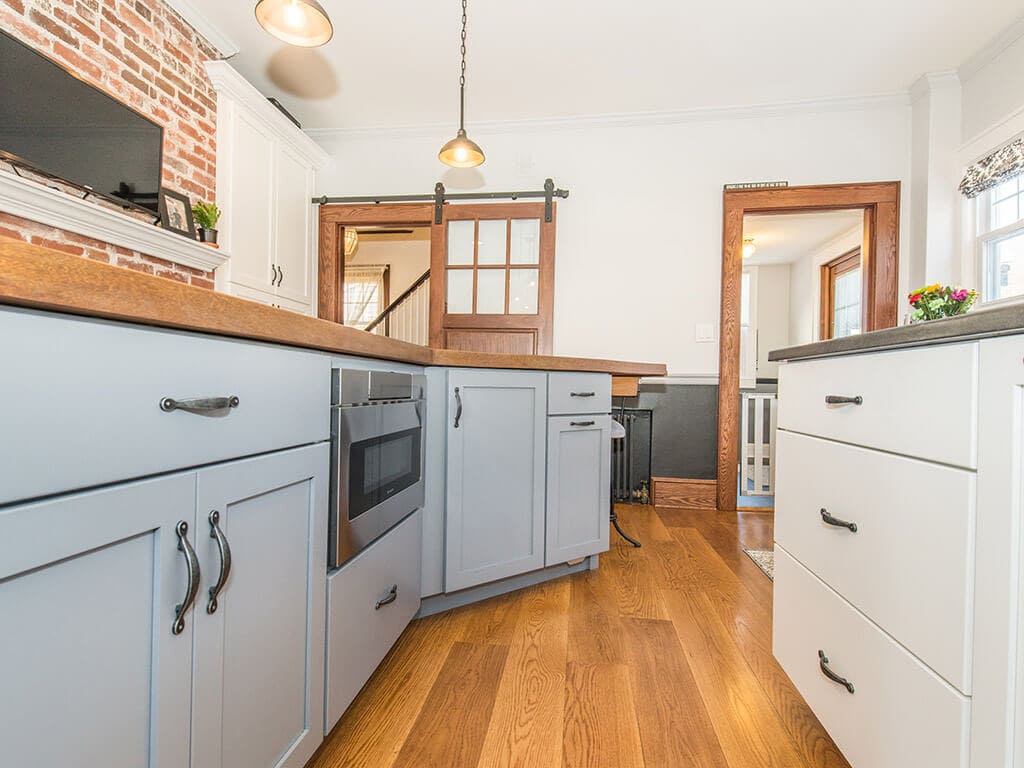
<point x="840" y="400"/>
<point x="389" y="598"/>
<point x="823" y="664"/>
<point x="225" y="560"/>
<point x="280" y="275"/>
<point x="829" y="520"/>
<point x="169" y="404"/>
<point x="192" y="576"/>
<point x="582" y="394"/>
<point x="458" y="410"/>
<point x="581" y="423"/>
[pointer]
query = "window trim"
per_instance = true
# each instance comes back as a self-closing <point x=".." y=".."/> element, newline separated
<point x="830" y="270"/>
<point x="983" y="238"/>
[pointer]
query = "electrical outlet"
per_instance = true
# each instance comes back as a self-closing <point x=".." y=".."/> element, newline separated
<point x="705" y="333"/>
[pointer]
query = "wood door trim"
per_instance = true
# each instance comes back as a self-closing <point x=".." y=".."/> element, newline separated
<point x="880" y="202"/>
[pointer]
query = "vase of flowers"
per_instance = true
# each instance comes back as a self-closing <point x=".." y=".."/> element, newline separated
<point x="934" y="302"/>
<point x="206" y="216"/>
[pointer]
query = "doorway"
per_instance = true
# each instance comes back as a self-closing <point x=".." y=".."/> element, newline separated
<point x="839" y="264"/>
<point x="488" y="287"/>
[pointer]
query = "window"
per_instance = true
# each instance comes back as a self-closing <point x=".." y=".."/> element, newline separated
<point x="1001" y="240"/>
<point x="748" y="329"/>
<point x="365" y="294"/>
<point x="841" y="289"/>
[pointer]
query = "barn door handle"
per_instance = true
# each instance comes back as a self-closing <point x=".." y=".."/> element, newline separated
<point x="823" y="663"/>
<point x="829" y="520"/>
<point x="458" y="410"/>
<point x="192" y="574"/>
<point x="840" y="400"/>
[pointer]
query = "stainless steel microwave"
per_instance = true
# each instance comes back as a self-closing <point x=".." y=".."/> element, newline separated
<point x="377" y="432"/>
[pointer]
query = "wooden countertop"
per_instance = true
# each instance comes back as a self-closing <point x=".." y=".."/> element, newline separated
<point x="37" y="277"/>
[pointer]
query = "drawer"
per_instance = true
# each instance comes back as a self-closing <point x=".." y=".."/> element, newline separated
<point x="80" y="405"/>
<point x="900" y="714"/>
<point x="579" y="393"/>
<point x="917" y="402"/>
<point x="359" y="633"/>
<point x="910" y="565"/>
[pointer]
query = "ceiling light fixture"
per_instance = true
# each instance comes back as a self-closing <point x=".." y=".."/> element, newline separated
<point x="304" y="23"/>
<point x="462" y="152"/>
<point x="351" y="242"/>
<point x="749" y="249"/>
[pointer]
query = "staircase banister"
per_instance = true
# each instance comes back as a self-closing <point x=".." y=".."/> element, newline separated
<point x="405" y="295"/>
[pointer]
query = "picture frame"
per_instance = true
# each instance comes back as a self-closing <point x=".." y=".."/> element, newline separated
<point x="176" y="213"/>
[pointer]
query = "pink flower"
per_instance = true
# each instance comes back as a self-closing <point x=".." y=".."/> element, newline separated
<point x="960" y="294"/>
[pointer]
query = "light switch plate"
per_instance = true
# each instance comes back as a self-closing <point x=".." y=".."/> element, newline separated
<point x="705" y="333"/>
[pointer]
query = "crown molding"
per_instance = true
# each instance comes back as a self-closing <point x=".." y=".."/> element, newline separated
<point x="31" y="200"/>
<point x="991" y="50"/>
<point x="624" y="120"/>
<point x="933" y="81"/>
<point x="228" y="82"/>
<point x="187" y="9"/>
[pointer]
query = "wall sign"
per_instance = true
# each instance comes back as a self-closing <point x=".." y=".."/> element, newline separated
<point x="758" y="185"/>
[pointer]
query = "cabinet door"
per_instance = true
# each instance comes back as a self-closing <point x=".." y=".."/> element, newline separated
<point x="91" y="672"/>
<point x="495" y="489"/>
<point x="259" y="665"/>
<point x="293" y="211"/>
<point x="249" y="214"/>
<point x="579" y="486"/>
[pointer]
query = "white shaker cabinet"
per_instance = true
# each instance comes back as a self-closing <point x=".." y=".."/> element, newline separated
<point x="496" y="436"/>
<point x="259" y="664"/>
<point x="92" y="672"/>
<point x="266" y="176"/>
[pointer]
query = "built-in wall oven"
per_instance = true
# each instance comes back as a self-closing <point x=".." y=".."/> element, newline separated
<point x="377" y="432"/>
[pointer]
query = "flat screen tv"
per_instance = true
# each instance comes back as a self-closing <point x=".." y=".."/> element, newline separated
<point x="54" y="123"/>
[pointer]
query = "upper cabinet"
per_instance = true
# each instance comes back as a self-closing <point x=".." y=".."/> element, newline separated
<point x="266" y="176"/>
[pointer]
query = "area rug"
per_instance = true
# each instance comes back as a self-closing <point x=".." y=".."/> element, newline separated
<point x="763" y="559"/>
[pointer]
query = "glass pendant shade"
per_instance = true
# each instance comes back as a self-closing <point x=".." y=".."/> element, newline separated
<point x="461" y="152"/>
<point x="304" y="23"/>
<point x="351" y="241"/>
<point x="749" y="249"/>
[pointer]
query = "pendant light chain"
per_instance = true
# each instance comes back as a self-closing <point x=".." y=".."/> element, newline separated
<point x="462" y="74"/>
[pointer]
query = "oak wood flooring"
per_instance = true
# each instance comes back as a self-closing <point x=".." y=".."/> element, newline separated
<point x="659" y="659"/>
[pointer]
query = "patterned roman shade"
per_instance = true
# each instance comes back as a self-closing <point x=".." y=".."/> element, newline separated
<point x="1001" y="165"/>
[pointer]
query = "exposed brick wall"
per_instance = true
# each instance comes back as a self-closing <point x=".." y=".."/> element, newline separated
<point x="142" y="53"/>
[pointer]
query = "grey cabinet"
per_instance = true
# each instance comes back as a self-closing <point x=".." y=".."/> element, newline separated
<point x="259" y="664"/>
<point x="90" y="586"/>
<point x="496" y="435"/>
<point x="578" y="486"/>
<point x="92" y="673"/>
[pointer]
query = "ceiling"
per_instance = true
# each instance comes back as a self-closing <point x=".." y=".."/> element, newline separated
<point x="783" y="238"/>
<point x="396" y="62"/>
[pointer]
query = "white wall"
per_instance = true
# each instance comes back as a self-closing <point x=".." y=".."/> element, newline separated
<point x="408" y="259"/>
<point x="993" y="83"/>
<point x="638" y="254"/>
<point x="805" y="285"/>
<point x="772" y="316"/>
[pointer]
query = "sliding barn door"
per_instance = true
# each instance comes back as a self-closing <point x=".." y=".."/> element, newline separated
<point x="492" y="279"/>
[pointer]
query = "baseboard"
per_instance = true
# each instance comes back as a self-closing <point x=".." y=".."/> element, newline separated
<point x="679" y="492"/>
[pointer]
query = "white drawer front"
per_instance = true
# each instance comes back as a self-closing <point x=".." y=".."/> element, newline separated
<point x="916" y="402"/>
<point x="80" y="405"/>
<point x="910" y="564"/>
<point x="359" y="634"/>
<point x="900" y="714"/>
<point x="579" y="393"/>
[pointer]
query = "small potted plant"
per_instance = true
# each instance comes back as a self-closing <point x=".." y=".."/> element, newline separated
<point x="937" y="301"/>
<point x="207" y="215"/>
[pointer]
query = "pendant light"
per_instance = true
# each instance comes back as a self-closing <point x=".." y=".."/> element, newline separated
<point x="304" y="23"/>
<point x="351" y="242"/>
<point x="749" y="249"/>
<point x="462" y="152"/>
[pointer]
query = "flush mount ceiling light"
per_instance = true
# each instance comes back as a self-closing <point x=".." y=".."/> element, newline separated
<point x="297" y="22"/>
<point x="748" y="247"/>
<point x="462" y="152"/>
<point x="351" y="241"/>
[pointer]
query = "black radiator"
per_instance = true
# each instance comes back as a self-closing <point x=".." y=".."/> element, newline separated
<point x="631" y="456"/>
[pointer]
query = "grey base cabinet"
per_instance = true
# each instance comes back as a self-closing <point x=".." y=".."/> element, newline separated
<point x="578" y="486"/>
<point x="496" y="446"/>
<point x="91" y="585"/>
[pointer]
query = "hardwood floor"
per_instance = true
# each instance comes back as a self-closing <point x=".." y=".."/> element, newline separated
<point x="662" y="657"/>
